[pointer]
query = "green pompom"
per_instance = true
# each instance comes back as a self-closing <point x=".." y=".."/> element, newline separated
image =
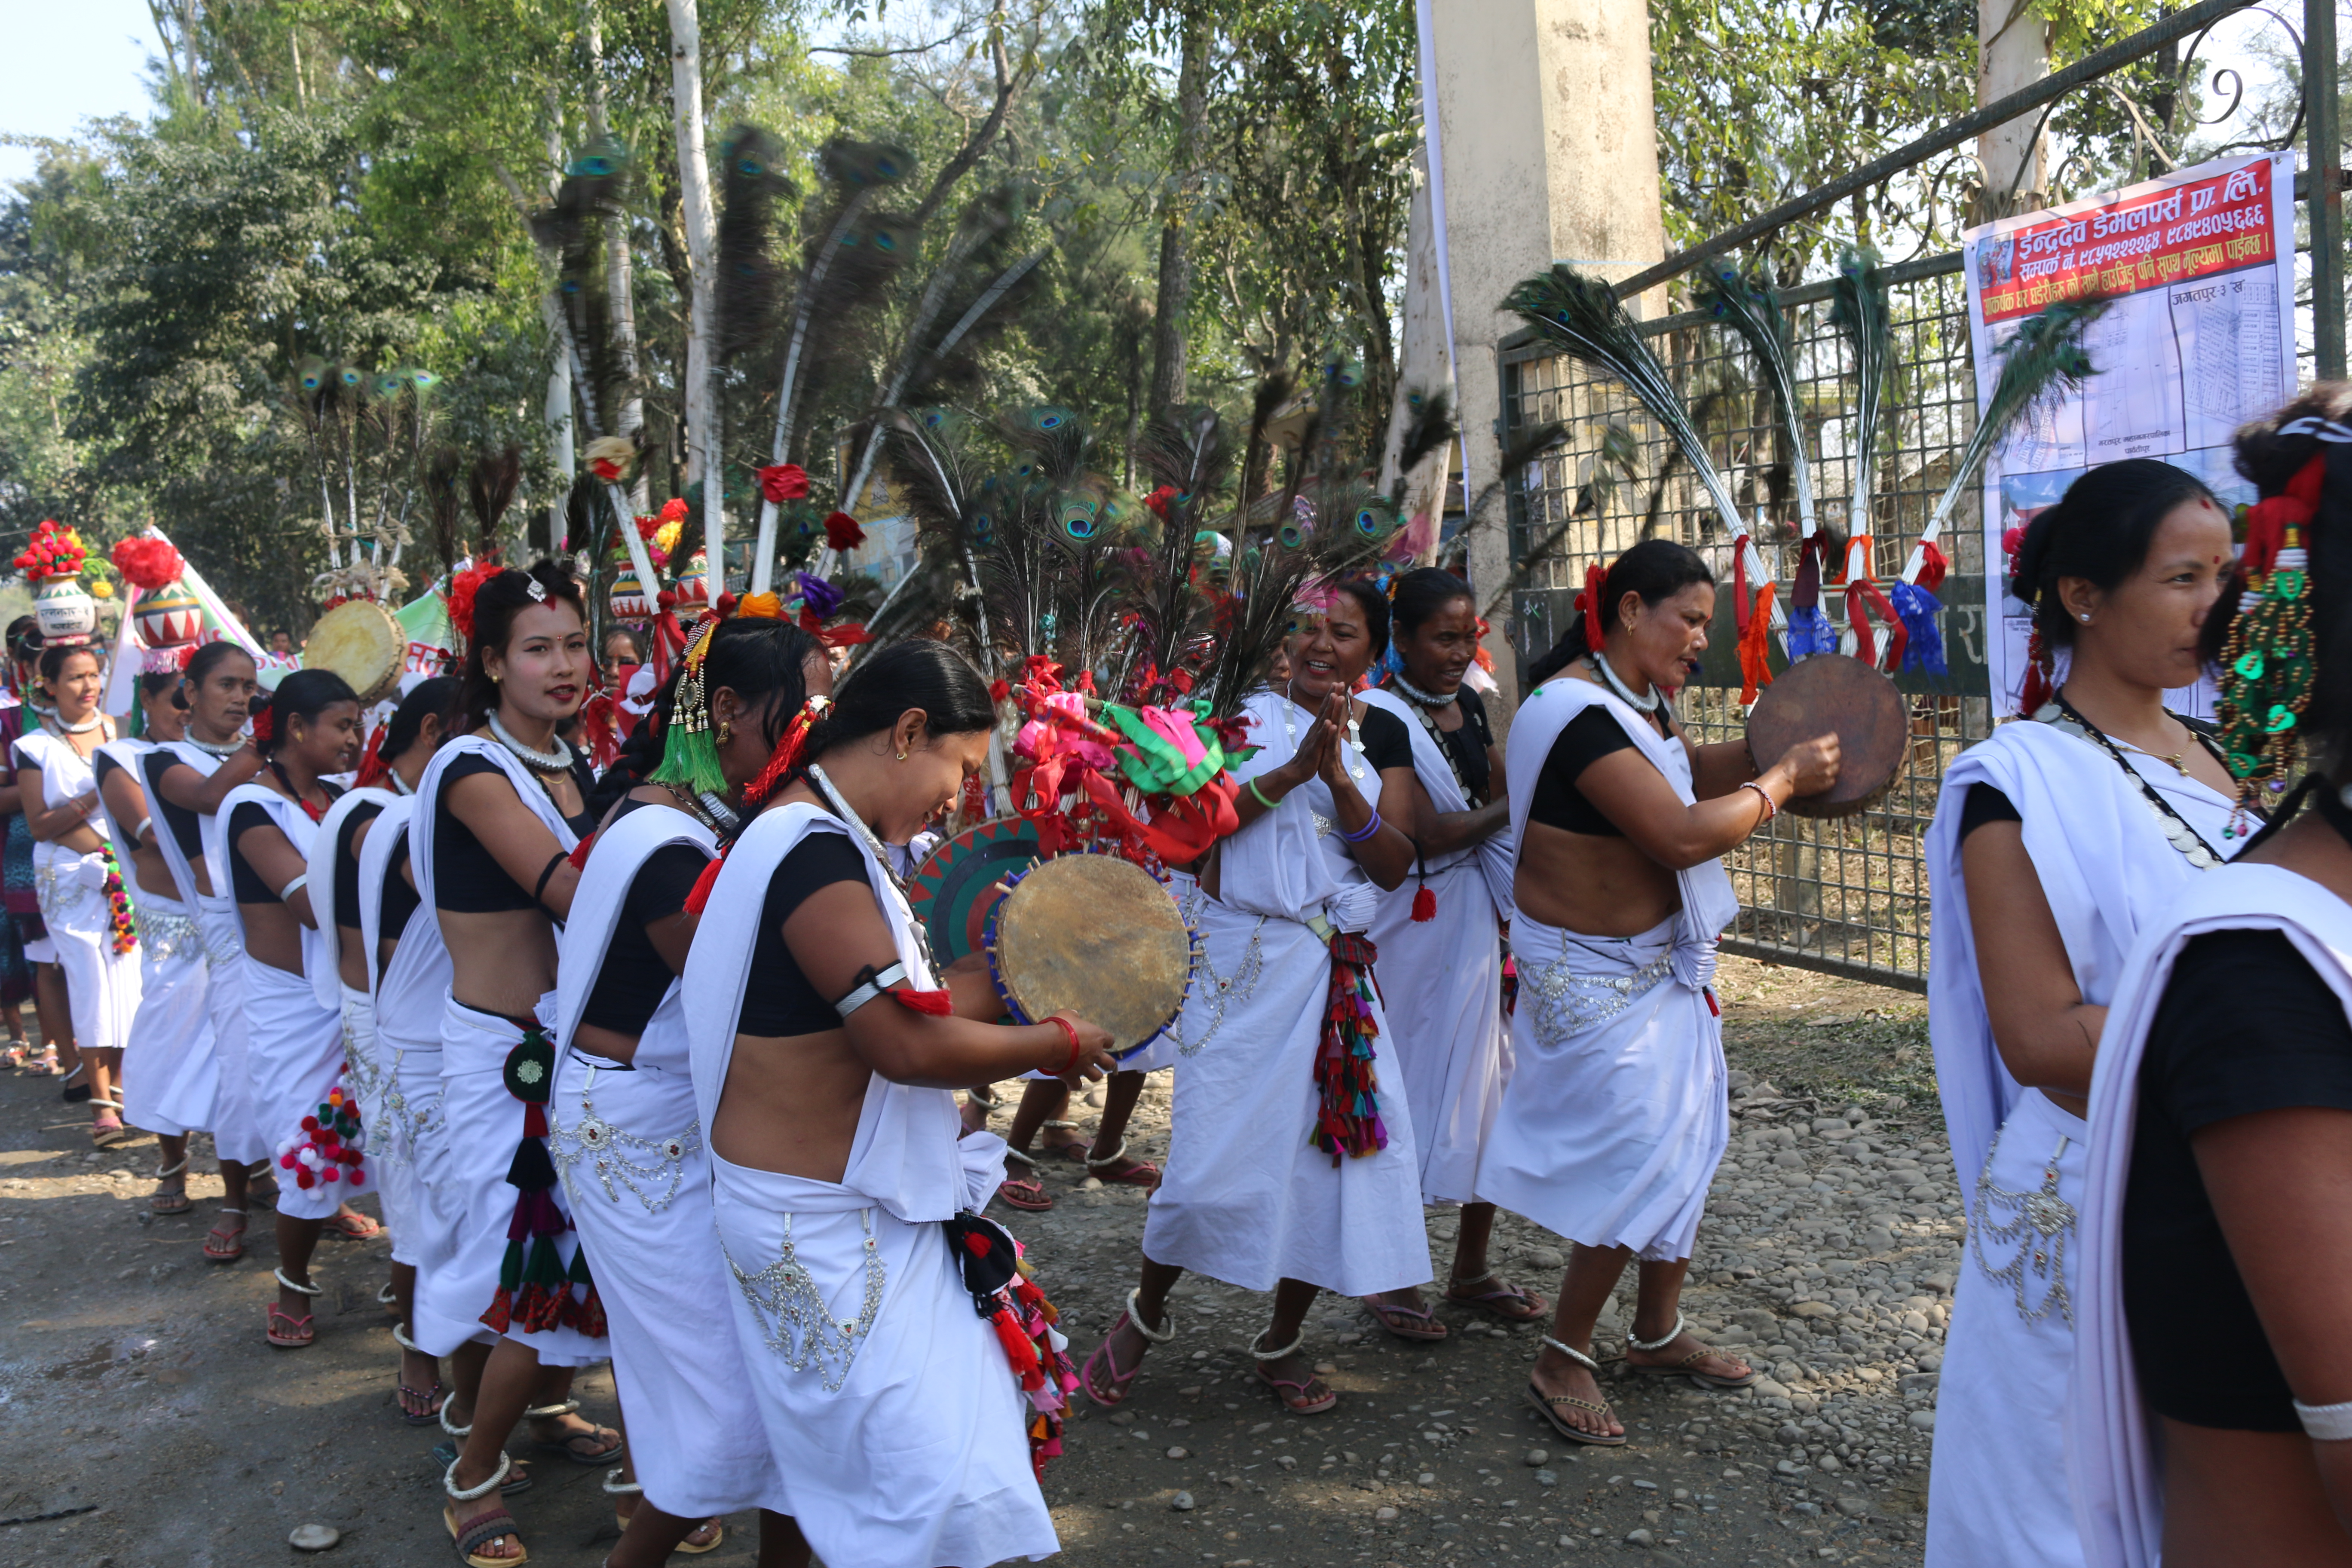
<point x="691" y="759"/>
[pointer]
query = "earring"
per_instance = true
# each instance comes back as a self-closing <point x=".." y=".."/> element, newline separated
<point x="2086" y="617"/>
<point x="725" y="731"/>
<point x="902" y="756"/>
<point x="494" y="678"/>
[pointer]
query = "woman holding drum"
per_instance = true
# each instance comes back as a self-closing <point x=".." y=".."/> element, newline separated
<point x="1615" y="1116"/>
<point x="1291" y="1163"/>
<point x="2055" y="843"/>
<point x="1440" y="936"/>
<point x="825" y="1055"/>
<point x="622" y="1122"/>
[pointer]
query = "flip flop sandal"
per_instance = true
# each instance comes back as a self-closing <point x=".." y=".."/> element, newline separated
<point x="106" y="1131"/>
<point x="352" y="1228"/>
<point x="1548" y="1405"/>
<point x="404" y="1394"/>
<point x="563" y="1445"/>
<point x="44" y="1066"/>
<point x="297" y="1331"/>
<point x="234" y="1239"/>
<point x="1492" y="1302"/>
<point x="1130" y="1317"/>
<point x="483" y="1529"/>
<point x="1138" y="1172"/>
<point x="1683" y="1368"/>
<point x="172" y="1200"/>
<point x="1407" y="1322"/>
<point x="1026" y="1193"/>
<point x="1304" y="1403"/>
<point x="517" y="1473"/>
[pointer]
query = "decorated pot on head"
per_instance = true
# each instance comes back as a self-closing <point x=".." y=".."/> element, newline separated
<point x="694" y="582"/>
<point x="629" y="600"/>
<point x="170" y="617"/>
<point x="64" y="608"/>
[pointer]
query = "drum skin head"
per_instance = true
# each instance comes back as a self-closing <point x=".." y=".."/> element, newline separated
<point x="1094" y="936"/>
<point x="953" y="889"/>
<point x="358" y="640"/>
<point x="1830" y="692"/>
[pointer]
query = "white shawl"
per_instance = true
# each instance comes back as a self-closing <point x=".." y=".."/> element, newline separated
<point x="1291" y="864"/>
<point x="534" y="797"/>
<point x="1497" y="853"/>
<point x="622" y="849"/>
<point x="418" y="977"/>
<point x="904" y="1157"/>
<point x="2110" y="1445"/>
<point x="152" y="769"/>
<point x="300" y="832"/>
<point x="2106" y="868"/>
<point x="327" y="979"/>
<point x="124" y="754"/>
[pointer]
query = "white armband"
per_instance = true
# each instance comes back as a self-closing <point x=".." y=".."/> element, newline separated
<point x="2325" y="1423"/>
<point x="140" y="832"/>
<point x="288" y="891"/>
<point x="861" y="994"/>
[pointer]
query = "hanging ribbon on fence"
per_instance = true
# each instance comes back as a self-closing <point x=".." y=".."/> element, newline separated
<point x="1755" y="623"/>
<point x="1809" y="631"/>
<point x="1862" y="596"/>
<point x="1917" y="602"/>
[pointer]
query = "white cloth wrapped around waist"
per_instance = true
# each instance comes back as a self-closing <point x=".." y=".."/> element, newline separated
<point x="171" y="1073"/>
<point x="236" y="1125"/>
<point x="294" y="1060"/>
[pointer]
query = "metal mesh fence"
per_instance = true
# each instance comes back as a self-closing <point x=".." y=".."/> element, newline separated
<point x="1847" y="895"/>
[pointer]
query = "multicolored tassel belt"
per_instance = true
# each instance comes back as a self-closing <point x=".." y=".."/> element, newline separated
<point x="535" y="1290"/>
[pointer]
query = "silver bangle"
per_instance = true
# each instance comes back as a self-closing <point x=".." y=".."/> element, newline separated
<point x="861" y="994"/>
<point x="290" y="888"/>
<point x="2325" y="1423"/>
<point x="140" y="832"/>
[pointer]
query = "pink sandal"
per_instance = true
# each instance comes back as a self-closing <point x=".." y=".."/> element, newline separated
<point x="1119" y="1381"/>
<point x="1304" y="1403"/>
<point x="1133" y="1172"/>
<point x="1506" y="1301"/>
<point x="1418" y="1324"/>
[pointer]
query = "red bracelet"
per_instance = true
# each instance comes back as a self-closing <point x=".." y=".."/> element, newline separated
<point x="1075" y="1049"/>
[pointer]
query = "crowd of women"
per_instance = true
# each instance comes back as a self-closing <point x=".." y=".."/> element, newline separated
<point x="658" y="1067"/>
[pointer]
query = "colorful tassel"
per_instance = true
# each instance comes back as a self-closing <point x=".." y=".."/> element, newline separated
<point x="1348" y="1119"/>
<point x="699" y="896"/>
<point x="1424" y="905"/>
<point x="1925" y="649"/>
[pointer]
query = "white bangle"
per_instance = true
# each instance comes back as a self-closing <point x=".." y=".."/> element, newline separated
<point x="1771" y="806"/>
<point x="861" y="994"/>
<point x="288" y="891"/>
<point x="140" y="832"/>
<point x="2325" y="1423"/>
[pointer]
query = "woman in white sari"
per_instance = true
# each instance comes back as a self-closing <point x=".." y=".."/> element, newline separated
<point x="1615" y="1117"/>
<point x="186" y="781"/>
<point x="2055" y="842"/>
<point x="307" y="728"/>
<point x="83" y="902"/>
<point x="1291" y="1165"/>
<point x="622" y="1122"/>
<point x="825" y="1056"/>
<point x="1440" y="936"/>
<point x="2210" y="1418"/>
<point x="171" y="1078"/>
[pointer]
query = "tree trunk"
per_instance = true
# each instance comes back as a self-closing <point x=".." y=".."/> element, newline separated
<point x="703" y="460"/>
<point x="620" y="274"/>
<point x="1174" y="303"/>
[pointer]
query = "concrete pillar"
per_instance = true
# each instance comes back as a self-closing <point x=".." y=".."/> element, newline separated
<point x="1547" y="141"/>
<point x="2012" y="54"/>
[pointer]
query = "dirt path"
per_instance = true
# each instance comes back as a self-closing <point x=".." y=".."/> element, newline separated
<point x="135" y="1381"/>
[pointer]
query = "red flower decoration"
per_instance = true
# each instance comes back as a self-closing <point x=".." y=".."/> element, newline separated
<point x="460" y="597"/>
<point x="606" y="470"/>
<point x="146" y="563"/>
<point x="673" y="509"/>
<point x="841" y="531"/>
<point x="785" y="481"/>
<point x="648" y="527"/>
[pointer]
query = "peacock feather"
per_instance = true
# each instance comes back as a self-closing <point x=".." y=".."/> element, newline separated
<point x="1747" y="305"/>
<point x="1858" y="310"/>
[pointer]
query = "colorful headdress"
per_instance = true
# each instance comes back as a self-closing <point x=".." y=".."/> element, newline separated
<point x="690" y="755"/>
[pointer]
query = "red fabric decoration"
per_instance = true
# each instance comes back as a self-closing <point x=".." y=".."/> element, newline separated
<point x="674" y="510"/>
<point x="938" y="1004"/>
<point x="1589" y="601"/>
<point x="265" y="727"/>
<point x="1424" y="905"/>
<point x="783" y="482"/>
<point x="1863" y="594"/>
<point x="460" y="597"/>
<point x="699" y="894"/>
<point x="374" y="769"/>
<point x="999" y="689"/>
<point x="849" y="633"/>
<point x="841" y="531"/>
<point x="1932" y="567"/>
<point x="2038" y="686"/>
<point x="1755" y="671"/>
<point x="579" y="856"/>
<point x="666" y="599"/>
<point x="2268" y="519"/>
<point x="147" y="563"/>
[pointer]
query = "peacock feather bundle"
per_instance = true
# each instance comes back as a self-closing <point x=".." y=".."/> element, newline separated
<point x="1743" y="302"/>
<point x="1858" y="310"/>
<point x="750" y="280"/>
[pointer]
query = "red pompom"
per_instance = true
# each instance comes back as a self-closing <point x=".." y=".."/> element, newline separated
<point x="722" y="606"/>
<point x="1425" y="904"/>
<point x="147" y="563"/>
<point x="938" y="1004"/>
<point x="665" y="600"/>
<point x="841" y="531"/>
<point x="980" y="1245"/>
<point x="699" y="895"/>
<point x="579" y="856"/>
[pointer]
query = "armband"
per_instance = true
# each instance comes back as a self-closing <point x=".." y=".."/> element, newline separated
<point x="290" y="888"/>
<point x="2325" y="1423"/>
<point x="868" y="989"/>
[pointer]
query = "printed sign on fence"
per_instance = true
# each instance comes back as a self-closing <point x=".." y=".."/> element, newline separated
<point x="2197" y="339"/>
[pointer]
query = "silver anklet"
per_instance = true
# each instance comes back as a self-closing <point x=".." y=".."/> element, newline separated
<point x="1113" y="1158"/>
<point x="1572" y="1354"/>
<point x="1672" y="1335"/>
<point x="1158" y="1336"/>
<point x="1291" y="1349"/>
<point x="469" y="1494"/>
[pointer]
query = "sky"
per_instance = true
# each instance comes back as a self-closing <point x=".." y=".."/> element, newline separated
<point x="67" y="61"/>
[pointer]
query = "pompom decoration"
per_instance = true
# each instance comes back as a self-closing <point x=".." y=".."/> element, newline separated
<point x="331" y="1145"/>
<point x="147" y="563"/>
<point x="783" y="482"/>
<point x="1348" y="1119"/>
<point x="52" y="552"/>
<point x="120" y="927"/>
<point x="841" y="531"/>
<point x="673" y="510"/>
<point x="460" y="597"/>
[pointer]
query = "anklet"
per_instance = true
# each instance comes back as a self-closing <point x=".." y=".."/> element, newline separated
<point x="549" y="1412"/>
<point x="1061" y="1126"/>
<point x="460" y="1433"/>
<point x="1672" y="1334"/>
<point x="1572" y="1354"/>
<point x="1472" y="1278"/>
<point x="1291" y="1349"/>
<point x="299" y="1289"/>
<point x="616" y="1487"/>
<point x="469" y="1494"/>
<point x="1113" y="1158"/>
<point x="1158" y="1336"/>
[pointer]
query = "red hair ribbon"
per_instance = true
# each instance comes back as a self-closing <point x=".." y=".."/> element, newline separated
<point x="374" y="769"/>
<point x="1595" y="580"/>
<point x="699" y="894"/>
<point x="2268" y="519"/>
<point x="2038" y="686"/>
<point x="1754" y="623"/>
<point x="787" y="755"/>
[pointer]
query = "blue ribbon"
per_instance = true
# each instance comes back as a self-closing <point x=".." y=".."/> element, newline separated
<point x="1810" y="632"/>
<point x="1918" y="609"/>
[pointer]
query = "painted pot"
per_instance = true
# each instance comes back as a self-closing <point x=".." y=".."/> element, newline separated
<point x="694" y="583"/>
<point x="64" y="608"/>
<point x="170" y="618"/>
<point x="629" y="601"/>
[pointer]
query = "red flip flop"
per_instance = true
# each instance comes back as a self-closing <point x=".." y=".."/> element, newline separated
<point x="1026" y="1193"/>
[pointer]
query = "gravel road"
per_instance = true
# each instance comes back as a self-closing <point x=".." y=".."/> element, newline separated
<point x="136" y="1382"/>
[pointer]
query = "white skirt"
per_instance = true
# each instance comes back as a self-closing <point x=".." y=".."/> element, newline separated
<point x="236" y="1129"/>
<point x="413" y="1141"/>
<point x="368" y="1072"/>
<point x="1246" y="1196"/>
<point x="485" y="1123"/>
<point x="1616" y="1114"/>
<point x="1449" y="1041"/>
<point x="102" y="985"/>
<point x="294" y="1053"/>
<point x="171" y="1074"/>
<point x="1998" y="1492"/>
<point x="908" y="1447"/>
<point x="638" y="1181"/>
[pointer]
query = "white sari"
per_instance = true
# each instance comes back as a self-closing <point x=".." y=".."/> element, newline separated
<point x="2112" y="1442"/>
<point x="895" y="1424"/>
<point x="171" y="1078"/>
<point x="365" y="1071"/>
<point x="630" y="1149"/>
<point x="237" y="1126"/>
<point x="1247" y="1197"/>
<point x="294" y="1045"/>
<point x="102" y="985"/>
<point x="1442" y="979"/>
<point x="1998" y="1490"/>
<point x="485" y="1122"/>
<point x="1616" y="1114"/>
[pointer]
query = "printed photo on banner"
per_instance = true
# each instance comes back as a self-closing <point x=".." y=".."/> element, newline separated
<point x="2197" y="337"/>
